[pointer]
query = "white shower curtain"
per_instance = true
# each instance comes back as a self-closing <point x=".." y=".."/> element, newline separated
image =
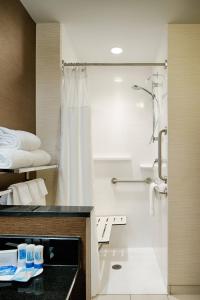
<point x="75" y="184"/>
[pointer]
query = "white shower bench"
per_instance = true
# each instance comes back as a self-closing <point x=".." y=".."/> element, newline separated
<point x="104" y="226"/>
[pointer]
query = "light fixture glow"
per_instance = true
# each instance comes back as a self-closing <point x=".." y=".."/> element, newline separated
<point x="140" y="104"/>
<point x="118" y="79"/>
<point x="116" y="50"/>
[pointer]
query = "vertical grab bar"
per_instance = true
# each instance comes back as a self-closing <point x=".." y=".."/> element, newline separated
<point x="163" y="131"/>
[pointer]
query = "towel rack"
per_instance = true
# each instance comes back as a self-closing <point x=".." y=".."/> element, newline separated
<point x="147" y="180"/>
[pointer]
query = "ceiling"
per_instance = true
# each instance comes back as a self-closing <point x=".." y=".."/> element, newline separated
<point x="95" y="26"/>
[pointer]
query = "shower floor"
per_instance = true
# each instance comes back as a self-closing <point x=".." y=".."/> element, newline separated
<point x="140" y="273"/>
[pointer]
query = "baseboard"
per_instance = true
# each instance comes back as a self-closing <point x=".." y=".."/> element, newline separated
<point x="184" y="290"/>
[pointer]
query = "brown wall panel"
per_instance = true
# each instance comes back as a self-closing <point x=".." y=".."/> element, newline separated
<point x="17" y="72"/>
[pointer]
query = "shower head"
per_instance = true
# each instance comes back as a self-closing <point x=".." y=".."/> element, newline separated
<point x="137" y="87"/>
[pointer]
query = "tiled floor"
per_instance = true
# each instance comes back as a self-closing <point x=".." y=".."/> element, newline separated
<point x="146" y="297"/>
<point x="140" y="273"/>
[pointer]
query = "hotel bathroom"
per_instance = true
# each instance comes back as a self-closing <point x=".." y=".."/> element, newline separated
<point x="99" y="150"/>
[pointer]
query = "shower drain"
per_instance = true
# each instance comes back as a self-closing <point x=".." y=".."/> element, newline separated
<point x="116" y="267"/>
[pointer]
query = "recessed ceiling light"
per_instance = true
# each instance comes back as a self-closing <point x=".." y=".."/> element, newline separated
<point x="118" y="79"/>
<point x="116" y="50"/>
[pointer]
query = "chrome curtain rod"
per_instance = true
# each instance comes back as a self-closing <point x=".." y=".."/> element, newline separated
<point x="123" y="64"/>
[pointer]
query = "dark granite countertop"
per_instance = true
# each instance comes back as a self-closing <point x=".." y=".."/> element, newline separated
<point x="55" y="282"/>
<point x="60" y="271"/>
<point x="30" y="210"/>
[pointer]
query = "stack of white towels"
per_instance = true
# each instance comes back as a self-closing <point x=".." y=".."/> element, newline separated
<point x="20" y="149"/>
<point x="32" y="192"/>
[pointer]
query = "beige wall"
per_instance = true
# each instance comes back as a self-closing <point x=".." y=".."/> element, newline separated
<point x="48" y="95"/>
<point x="184" y="156"/>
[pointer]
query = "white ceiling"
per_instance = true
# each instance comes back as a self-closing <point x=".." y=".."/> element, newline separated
<point x="94" y="26"/>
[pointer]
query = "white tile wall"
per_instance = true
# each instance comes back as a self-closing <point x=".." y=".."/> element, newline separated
<point x="121" y="126"/>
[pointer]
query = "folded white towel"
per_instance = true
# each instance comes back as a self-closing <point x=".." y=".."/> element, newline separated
<point x="18" y="139"/>
<point x="20" y="194"/>
<point x="152" y="198"/>
<point x="13" y="159"/>
<point x="41" y="186"/>
<point x="31" y="192"/>
<point x="37" y="194"/>
<point x="40" y="158"/>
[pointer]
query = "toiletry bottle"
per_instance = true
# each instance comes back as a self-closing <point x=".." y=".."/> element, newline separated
<point x="30" y="256"/>
<point x="21" y="255"/>
<point x="38" y="256"/>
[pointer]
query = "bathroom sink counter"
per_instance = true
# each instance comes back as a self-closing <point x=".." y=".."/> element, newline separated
<point x="30" y="210"/>
<point x="56" y="282"/>
<point x="53" y="221"/>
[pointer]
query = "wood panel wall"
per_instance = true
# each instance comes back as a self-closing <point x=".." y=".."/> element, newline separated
<point x="184" y="158"/>
<point x="17" y="72"/>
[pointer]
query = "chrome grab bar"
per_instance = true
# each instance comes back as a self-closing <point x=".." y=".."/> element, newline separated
<point x="163" y="131"/>
<point x="116" y="180"/>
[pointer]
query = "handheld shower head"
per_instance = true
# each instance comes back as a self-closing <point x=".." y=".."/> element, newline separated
<point x="137" y="88"/>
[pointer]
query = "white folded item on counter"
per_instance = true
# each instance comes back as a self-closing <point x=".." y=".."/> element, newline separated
<point x="21" y="274"/>
<point x="40" y="158"/>
<point x="8" y="264"/>
<point x="14" y="159"/>
<point x="18" y="139"/>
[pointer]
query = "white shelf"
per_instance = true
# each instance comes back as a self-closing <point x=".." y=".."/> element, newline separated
<point x="112" y="157"/>
<point x="146" y="166"/>
<point x="29" y="169"/>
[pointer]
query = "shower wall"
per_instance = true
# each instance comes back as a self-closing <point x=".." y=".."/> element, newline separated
<point x="121" y="131"/>
<point x="160" y="224"/>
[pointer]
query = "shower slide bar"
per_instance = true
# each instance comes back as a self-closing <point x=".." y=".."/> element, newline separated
<point x="147" y="180"/>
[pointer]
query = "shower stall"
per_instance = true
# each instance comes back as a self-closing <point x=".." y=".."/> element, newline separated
<point x="129" y="142"/>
